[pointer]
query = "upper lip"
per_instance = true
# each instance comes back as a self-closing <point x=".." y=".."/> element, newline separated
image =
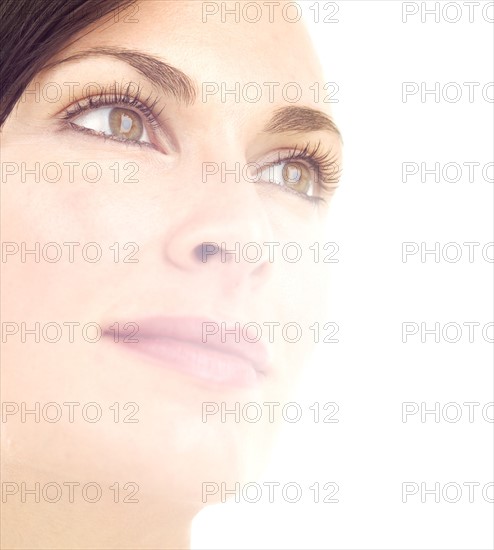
<point x="190" y="329"/>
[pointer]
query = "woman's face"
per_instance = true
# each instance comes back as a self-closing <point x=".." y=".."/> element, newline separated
<point x="173" y="176"/>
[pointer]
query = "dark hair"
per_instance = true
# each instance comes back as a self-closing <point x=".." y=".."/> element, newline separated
<point x="33" y="31"/>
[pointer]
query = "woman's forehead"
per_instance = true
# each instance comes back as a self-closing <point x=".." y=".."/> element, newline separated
<point x="211" y="41"/>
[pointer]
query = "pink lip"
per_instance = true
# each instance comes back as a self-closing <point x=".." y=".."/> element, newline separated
<point x="186" y="344"/>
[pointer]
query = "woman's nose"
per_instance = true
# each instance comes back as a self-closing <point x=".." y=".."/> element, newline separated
<point x="223" y="230"/>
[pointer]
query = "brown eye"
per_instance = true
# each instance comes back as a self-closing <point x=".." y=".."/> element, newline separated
<point x="291" y="174"/>
<point x="297" y="176"/>
<point x="115" y="122"/>
<point x="126" y="124"/>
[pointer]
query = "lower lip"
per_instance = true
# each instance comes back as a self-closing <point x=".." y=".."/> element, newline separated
<point x="202" y="362"/>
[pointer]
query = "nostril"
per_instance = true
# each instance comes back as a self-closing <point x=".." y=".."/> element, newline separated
<point x="204" y="250"/>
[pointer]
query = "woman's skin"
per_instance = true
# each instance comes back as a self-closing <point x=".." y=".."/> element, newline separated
<point x="170" y="452"/>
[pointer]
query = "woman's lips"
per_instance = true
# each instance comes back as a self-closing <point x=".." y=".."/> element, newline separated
<point x="198" y="347"/>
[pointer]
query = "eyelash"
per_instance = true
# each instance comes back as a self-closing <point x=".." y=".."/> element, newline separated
<point x="117" y="94"/>
<point x="323" y="163"/>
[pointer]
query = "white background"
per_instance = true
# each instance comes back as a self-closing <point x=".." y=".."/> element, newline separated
<point x="370" y="52"/>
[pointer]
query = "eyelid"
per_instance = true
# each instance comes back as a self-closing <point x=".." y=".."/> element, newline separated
<point x="278" y="160"/>
<point x="323" y="163"/>
<point x="287" y="160"/>
<point x="118" y="95"/>
<point x="100" y="134"/>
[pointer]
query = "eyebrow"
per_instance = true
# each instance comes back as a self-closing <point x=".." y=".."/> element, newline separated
<point x="180" y="86"/>
<point x="300" y="120"/>
<point x="172" y="80"/>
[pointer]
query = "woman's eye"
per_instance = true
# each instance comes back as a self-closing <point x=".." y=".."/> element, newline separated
<point x="116" y="122"/>
<point x="293" y="174"/>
